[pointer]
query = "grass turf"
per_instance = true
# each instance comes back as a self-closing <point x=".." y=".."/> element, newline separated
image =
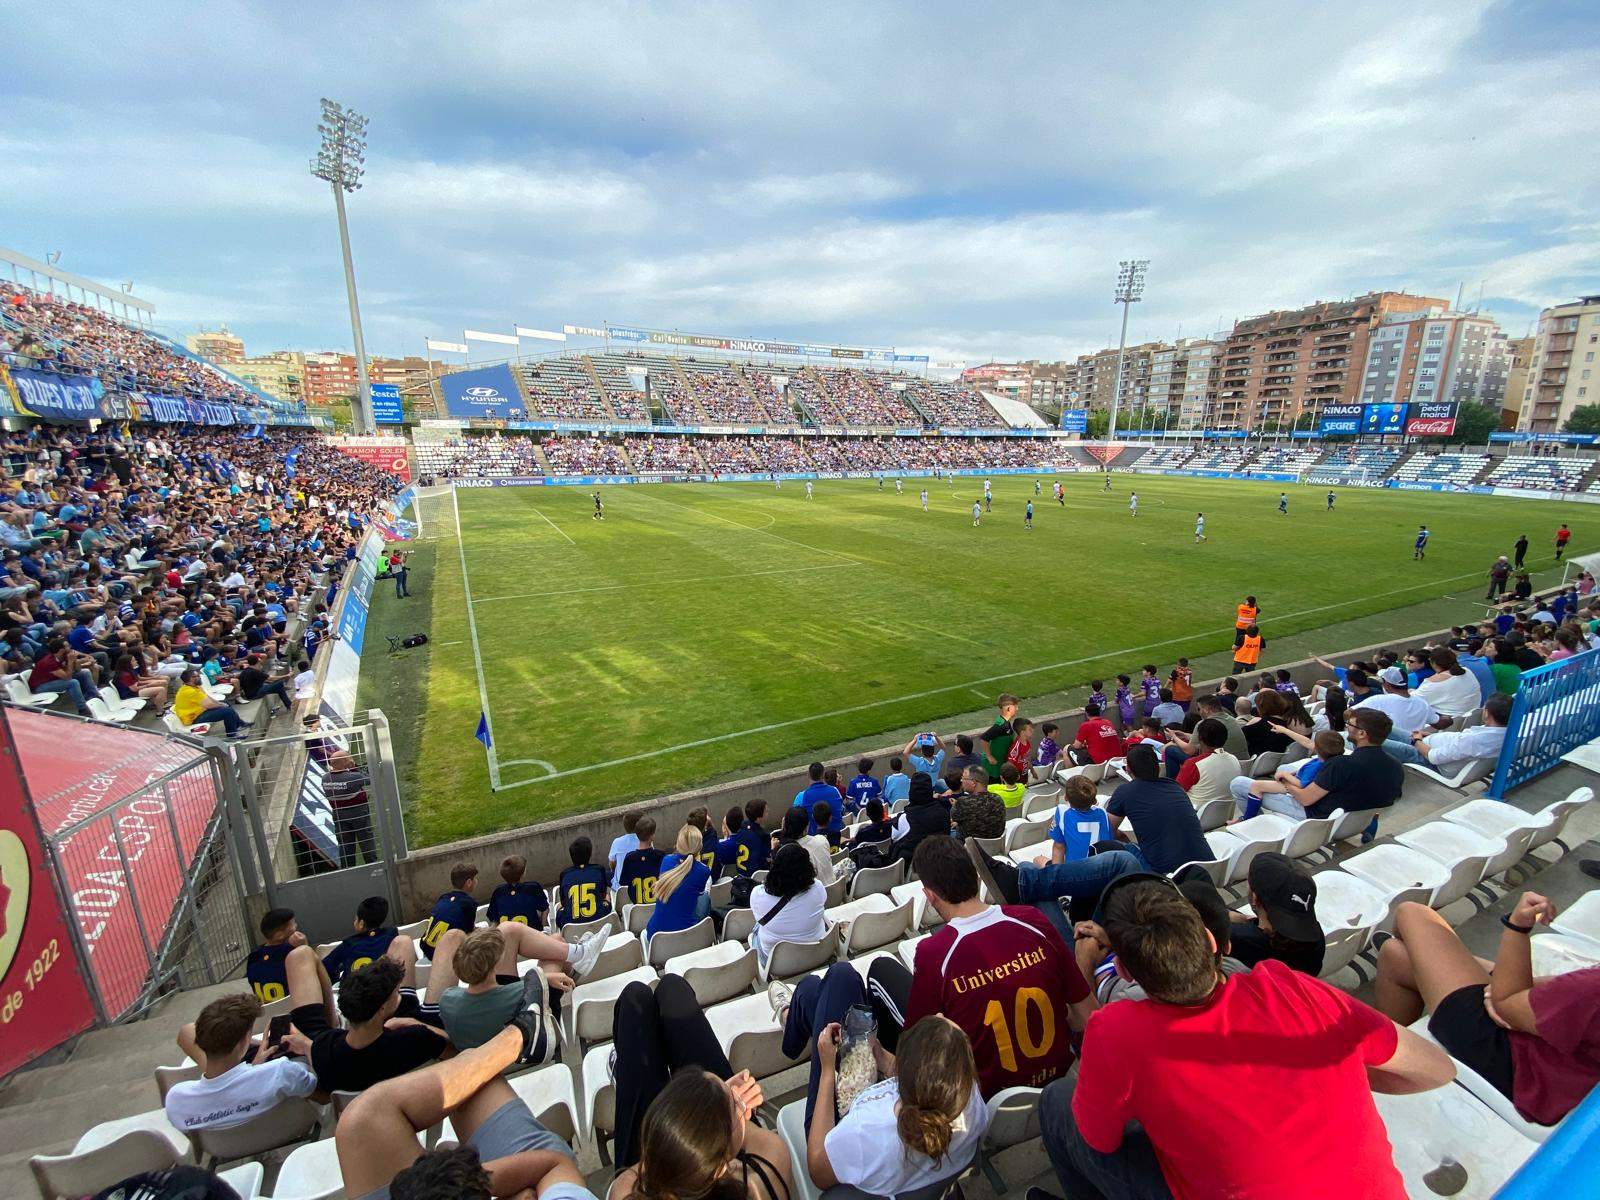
<point x="701" y="631"/>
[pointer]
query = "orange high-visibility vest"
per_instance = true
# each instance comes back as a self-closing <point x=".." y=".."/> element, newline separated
<point x="1249" y="651"/>
<point x="1247" y="616"/>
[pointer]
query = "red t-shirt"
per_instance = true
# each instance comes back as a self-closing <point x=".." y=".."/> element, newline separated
<point x="1258" y="1094"/>
<point x="1553" y="1070"/>
<point x="1100" y="738"/>
<point x="45" y="670"/>
<point x="1006" y="977"/>
<point x="1562" y="535"/>
<point x="1189" y="773"/>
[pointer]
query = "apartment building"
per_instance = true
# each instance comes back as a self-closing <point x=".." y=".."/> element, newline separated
<point x="280" y="374"/>
<point x="1097" y="377"/>
<point x="1436" y="356"/>
<point x="217" y="346"/>
<point x="1520" y="351"/>
<point x="1564" y="371"/>
<point x="1180" y="376"/>
<point x="1274" y="368"/>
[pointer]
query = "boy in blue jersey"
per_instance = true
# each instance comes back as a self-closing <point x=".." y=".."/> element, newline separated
<point x="862" y="788"/>
<point x="264" y="970"/>
<point x="513" y="900"/>
<point x="640" y="867"/>
<point x="896" y="784"/>
<point x="1419" y="548"/>
<point x="583" y="891"/>
<point x="371" y="939"/>
<point x="455" y="909"/>
<point x="1027" y="514"/>
<point x="747" y="846"/>
<point x="1078" y="823"/>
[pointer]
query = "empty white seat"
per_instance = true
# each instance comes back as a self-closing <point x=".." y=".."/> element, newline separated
<point x="681" y="941"/>
<point x="874" y="880"/>
<point x="738" y="925"/>
<point x="792" y="1129"/>
<point x="1024" y="855"/>
<point x="1400" y="874"/>
<point x="621" y="952"/>
<point x="85" y="1172"/>
<point x="1465" y="853"/>
<point x="1022" y="832"/>
<point x="1013" y="1119"/>
<point x="1347" y="824"/>
<point x="311" y="1172"/>
<point x="636" y="916"/>
<point x="907" y="950"/>
<point x="1344" y="901"/>
<point x="1457" y="775"/>
<point x="100" y="711"/>
<point x="750" y="1036"/>
<point x="1496" y="818"/>
<point x="717" y="972"/>
<point x="589" y="1009"/>
<point x="1559" y="954"/>
<point x="599" y="1097"/>
<point x="1214" y="814"/>
<point x="872" y="928"/>
<point x="789" y="960"/>
<point x="1241" y="852"/>
<point x="1451" y="1119"/>
<point x="1341" y="946"/>
<point x="154" y="1121"/>
<point x="1581" y="919"/>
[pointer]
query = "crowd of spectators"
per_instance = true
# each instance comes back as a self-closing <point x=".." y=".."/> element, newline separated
<point x="950" y="406"/>
<point x="48" y="333"/>
<point x="844" y="397"/>
<point x="168" y="564"/>
<point x="664" y="455"/>
<point x="479" y="457"/>
<point x="576" y="454"/>
<point x="561" y="388"/>
<point x="727" y="395"/>
<point x="1090" y="972"/>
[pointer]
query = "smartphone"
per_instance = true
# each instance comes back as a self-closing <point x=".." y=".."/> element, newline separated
<point x="926" y="741"/>
<point x="277" y="1029"/>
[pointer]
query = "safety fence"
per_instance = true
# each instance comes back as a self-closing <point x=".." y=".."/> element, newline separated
<point x="1556" y="710"/>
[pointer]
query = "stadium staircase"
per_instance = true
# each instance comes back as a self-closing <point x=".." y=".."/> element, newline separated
<point x="105" y="1075"/>
<point x="690" y="407"/>
<point x="921" y="412"/>
<point x="744" y="382"/>
<point x="599" y="386"/>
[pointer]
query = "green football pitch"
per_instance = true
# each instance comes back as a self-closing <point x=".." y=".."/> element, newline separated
<point x="703" y="631"/>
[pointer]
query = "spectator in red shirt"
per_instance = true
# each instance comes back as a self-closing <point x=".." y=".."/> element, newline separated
<point x="1001" y="973"/>
<point x="1244" y="1086"/>
<point x="1536" y="1040"/>
<point x="1097" y="739"/>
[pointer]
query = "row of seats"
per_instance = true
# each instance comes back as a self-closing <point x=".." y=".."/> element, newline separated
<point x="1542" y="474"/>
<point x="1455" y="470"/>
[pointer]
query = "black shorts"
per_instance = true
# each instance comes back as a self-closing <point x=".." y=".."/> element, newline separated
<point x="1464" y="1028"/>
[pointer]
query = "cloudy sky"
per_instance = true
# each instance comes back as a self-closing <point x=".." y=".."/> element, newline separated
<point x="904" y="174"/>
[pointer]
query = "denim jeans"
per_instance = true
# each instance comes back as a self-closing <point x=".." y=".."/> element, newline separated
<point x="73" y="690"/>
<point x="1084" y="879"/>
<point x="817" y="1003"/>
<point x="1174" y="760"/>
<point x="230" y="719"/>
<point x="1130" y="1172"/>
<point x="1274" y="802"/>
<point x="1402" y="750"/>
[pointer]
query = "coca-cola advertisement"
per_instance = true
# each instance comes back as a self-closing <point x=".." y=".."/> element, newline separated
<point x="1431" y="420"/>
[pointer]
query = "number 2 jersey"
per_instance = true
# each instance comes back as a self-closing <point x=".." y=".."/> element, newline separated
<point x="1006" y="977"/>
<point x="357" y="950"/>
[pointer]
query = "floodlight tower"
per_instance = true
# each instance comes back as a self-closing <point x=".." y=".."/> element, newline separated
<point x="1130" y="290"/>
<point x="339" y="161"/>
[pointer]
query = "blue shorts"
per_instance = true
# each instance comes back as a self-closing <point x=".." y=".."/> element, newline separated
<point x="512" y="1129"/>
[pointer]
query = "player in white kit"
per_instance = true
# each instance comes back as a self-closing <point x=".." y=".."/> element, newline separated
<point x="808" y="489"/>
<point x="1199" y="527"/>
<point x="977" y="513"/>
<point x="1133" y="503"/>
<point x="924" y="499"/>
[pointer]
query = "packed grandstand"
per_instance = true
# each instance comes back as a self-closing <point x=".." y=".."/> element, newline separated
<point x="1022" y="933"/>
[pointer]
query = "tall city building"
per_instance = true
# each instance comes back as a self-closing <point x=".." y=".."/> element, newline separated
<point x="1436" y="356"/>
<point x="1562" y="374"/>
<point x="1179" y="380"/>
<point x="280" y="374"/>
<point x="1097" y="378"/>
<point x="1521" y="356"/>
<point x="216" y="345"/>
<point x="330" y="378"/>
<point x="1275" y="368"/>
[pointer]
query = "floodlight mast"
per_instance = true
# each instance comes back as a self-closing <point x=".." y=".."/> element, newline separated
<point x="1130" y="290"/>
<point x="339" y="161"/>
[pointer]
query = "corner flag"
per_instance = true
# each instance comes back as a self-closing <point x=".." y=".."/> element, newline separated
<point x="483" y="734"/>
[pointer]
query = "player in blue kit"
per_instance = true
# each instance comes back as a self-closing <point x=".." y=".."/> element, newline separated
<point x="640" y="867"/>
<point x="514" y="900"/>
<point x="371" y="940"/>
<point x="1027" y="516"/>
<point x="1419" y="548"/>
<point x="455" y="909"/>
<point x="264" y="970"/>
<point x="1283" y="503"/>
<point x="583" y="889"/>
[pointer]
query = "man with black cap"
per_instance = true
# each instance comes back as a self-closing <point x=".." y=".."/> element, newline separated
<point x="1407" y="712"/>
<point x="1285" y="927"/>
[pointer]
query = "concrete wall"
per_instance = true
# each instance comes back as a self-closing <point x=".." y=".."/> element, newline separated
<point x="426" y="872"/>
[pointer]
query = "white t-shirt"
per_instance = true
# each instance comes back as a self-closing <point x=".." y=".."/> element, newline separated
<point x="621" y="847"/>
<point x="1408" y="713"/>
<point x="239" y="1094"/>
<point x="866" y="1151"/>
<point x="1216" y="771"/>
<point x="800" y="921"/>
<point x="305" y="685"/>
<point x="1452" y="695"/>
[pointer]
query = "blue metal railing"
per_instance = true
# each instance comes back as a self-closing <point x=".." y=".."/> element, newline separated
<point x="1556" y="710"/>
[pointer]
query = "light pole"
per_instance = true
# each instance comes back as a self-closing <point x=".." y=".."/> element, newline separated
<point x="338" y="161"/>
<point x="1130" y="290"/>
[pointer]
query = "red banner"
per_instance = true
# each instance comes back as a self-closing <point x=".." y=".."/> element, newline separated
<point x="387" y="454"/>
<point x="43" y="997"/>
<point x="1430" y="426"/>
<point x="109" y="763"/>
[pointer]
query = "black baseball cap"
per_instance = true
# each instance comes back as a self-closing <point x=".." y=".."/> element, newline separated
<point x="1288" y="894"/>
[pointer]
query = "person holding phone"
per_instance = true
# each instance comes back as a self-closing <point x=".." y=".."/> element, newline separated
<point x="925" y="753"/>
<point x="240" y="1079"/>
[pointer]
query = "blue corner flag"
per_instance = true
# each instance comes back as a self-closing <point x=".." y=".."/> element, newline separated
<point x="483" y="734"/>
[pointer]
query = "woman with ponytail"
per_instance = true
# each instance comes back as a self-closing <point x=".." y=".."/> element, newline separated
<point x="915" y="1128"/>
<point x="680" y="886"/>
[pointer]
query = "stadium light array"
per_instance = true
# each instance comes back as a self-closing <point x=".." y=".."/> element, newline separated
<point x="1130" y="290"/>
<point x="340" y="161"/>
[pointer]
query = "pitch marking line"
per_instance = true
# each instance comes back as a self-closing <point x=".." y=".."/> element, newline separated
<point x="655" y="583"/>
<point x="953" y="687"/>
<point x="550" y="523"/>
<point x="477" y="655"/>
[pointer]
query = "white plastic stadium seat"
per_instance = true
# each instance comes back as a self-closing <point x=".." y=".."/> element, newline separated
<point x="17" y="692"/>
<point x="719" y="972"/>
<point x="154" y="1121"/>
<point x="750" y="1036"/>
<point x="284" y="1124"/>
<point x="792" y="1129"/>
<point x="83" y="1173"/>
<point x="790" y="960"/>
<point x="100" y="711"/>
<point x="599" y="1098"/>
<point x="875" y="880"/>
<point x="1458" y="776"/>
<point x="1401" y="874"/>
<point x="1581" y="919"/>
<point x="588" y="1010"/>
<point x="1497" y="818"/>
<point x="548" y="1094"/>
<point x="681" y="941"/>
<point x="311" y="1172"/>
<point x="1467" y="854"/>
<point x="1559" y="954"/>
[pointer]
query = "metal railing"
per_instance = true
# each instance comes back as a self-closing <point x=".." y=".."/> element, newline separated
<point x="1556" y="709"/>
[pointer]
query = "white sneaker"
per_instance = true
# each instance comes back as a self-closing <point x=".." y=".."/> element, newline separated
<point x="779" y="995"/>
<point x="586" y="953"/>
